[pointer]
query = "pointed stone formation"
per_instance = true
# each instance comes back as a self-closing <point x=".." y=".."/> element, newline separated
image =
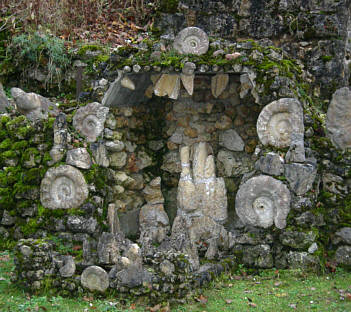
<point x="279" y="121"/>
<point x="113" y="220"/>
<point x="187" y="76"/>
<point x="262" y="201"/>
<point x="191" y="40"/>
<point x="339" y="119"/>
<point x="168" y="85"/>
<point x="127" y="83"/>
<point x="218" y="84"/>
<point x="90" y="119"/>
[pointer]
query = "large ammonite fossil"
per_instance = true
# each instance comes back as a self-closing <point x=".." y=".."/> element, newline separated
<point x="278" y="121"/>
<point x="63" y="187"/>
<point x="191" y="40"/>
<point x="339" y="119"/>
<point x="90" y="119"/>
<point x="262" y="201"/>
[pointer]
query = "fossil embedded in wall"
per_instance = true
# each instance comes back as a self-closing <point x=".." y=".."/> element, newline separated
<point x="262" y="201"/>
<point x="63" y="187"/>
<point x="339" y="119"/>
<point x="89" y="120"/>
<point x="191" y="40"/>
<point x="278" y="121"/>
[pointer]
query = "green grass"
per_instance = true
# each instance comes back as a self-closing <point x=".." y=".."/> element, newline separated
<point x="270" y="291"/>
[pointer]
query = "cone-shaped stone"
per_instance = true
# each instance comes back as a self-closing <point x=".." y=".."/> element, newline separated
<point x="218" y="84"/>
<point x="168" y="85"/>
<point x="127" y="83"/>
<point x="188" y="83"/>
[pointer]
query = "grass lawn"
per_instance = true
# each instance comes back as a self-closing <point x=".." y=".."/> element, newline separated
<point x="270" y="291"/>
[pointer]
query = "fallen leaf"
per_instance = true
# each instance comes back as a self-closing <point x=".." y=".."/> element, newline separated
<point x="253" y="305"/>
<point x="202" y="299"/>
<point x="292" y="305"/>
<point x="155" y="308"/>
<point x="132" y="306"/>
<point x="88" y="299"/>
<point x="348" y="296"/>
<point x="276" y="284"/>
<point x="228" y="301"/>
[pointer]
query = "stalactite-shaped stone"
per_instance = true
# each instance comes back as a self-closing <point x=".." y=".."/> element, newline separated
<point x="218" y="84"/>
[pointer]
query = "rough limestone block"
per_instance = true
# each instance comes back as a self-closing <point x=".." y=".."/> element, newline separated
<point x="262" y="201"/>
<point x="339" y="119"/>
<point x="79" y="157"/>
<point x="300" y="177"/>
<point x="63" y="187"/>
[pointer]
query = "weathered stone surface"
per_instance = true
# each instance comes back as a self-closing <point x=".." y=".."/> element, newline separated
<point x="118" y="159"/>
<point x="259" y="256"/>
<point x="338" y="120"/>
<point x="7" y="219"/>
<point x="300" y="177"/>
<point x="343" y="235"/>
<point x="152" y="192"/>
<point x="262" y="201"/>
<point x="302" y="260"/>
<point x="100" y="154"/>
<point x="115" y="146"/>
<point x="108" y="249"/>
<point x="334" y="184"/>
<point x="343" y="255"/>
<point x="32" y="105"/>
<point x="95" y="279"/>
<point x="113" y="220"/>
<point x="167" y="267"/>
<point x="232" y="164"/>
<point x="191" y="40"/>
<point x="168" y="84"/>
<point x="171" y="162"/>
<point x="231" y="140"/>
<point x="154" y="223"/>
<point x="69" y="267"/>
<point x="188" y="83"/>
<point x="297" y="240"/>
<point x="126" y="82"/>
<point x="81" y="224"/>
<point x="79" y="157"/>
<point x="119" y="96"/>
<point x="278" y="121"/>
<point x="4" y="102"/>
<point x="219" y="83"/>
<point x="296" y="152"/>
<point x="63" y="187"/>
<point x="271" y="164"/>
<point x="90" y="119"/>
<point x="201" y="191"/>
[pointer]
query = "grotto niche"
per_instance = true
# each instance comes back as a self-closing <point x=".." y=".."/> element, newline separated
<point x="179" y="174"/>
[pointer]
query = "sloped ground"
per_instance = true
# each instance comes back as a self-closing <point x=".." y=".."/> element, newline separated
<point x="269" y="291"/>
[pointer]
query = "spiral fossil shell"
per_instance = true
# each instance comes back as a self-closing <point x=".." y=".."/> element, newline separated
<point x="278" y="121"/>
<point x="191" y="40"/>
<point x="90" y="119"/>
<point x="262" y="201"/>
<point x="63" y="187"/>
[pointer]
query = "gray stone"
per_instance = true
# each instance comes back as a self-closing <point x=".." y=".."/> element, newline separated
<point x="302" y="260"/>
<point x="234" y="164"/>
<point x="129" y="222"/>
<point x="334" y="184"/>
<point x="115" y="146"/>
<point x="310" y="219"/>
<point x="143" y="160"/>
<point x="156" y="145"/>
<point x="118" y="159"/>
<point x="154" y="223"/>
<point x="89" y="120"/>
<point x="278" y="121"/>
<point x="32" y="105"/>
<point x="231" y="140"/>
<point x="7" y="219"/>
<point x="177" y="136"/>
<point x="259" y="256"/>
<point x="79" y="157"/>
<point x="119" y="96"/>
<point x="171" y="162"/>
<point x="108" y="249"/>
<point x="26" y="251"/>
<point x="61" y="135"/>
<point x="343" y="235"/>
<point x="69" y="267"/>
<point x="300" y="177"/>
<point x="338" y="120"/>
<point x="95" y="278"/>
<point x="188" y="83"/>
<point x="219" y="83"/>
<point x="296" y="152"/>
<point x="4" y="102"/>
<point x="113" y="219"/>
<point x="297" y="240"/>
<point x="167" y="267"/>
<point x="191" y="40"/>
<point x="262" y="201"/>
<point x="81" y="224"/>
<point x="271" y="164"/>
<point x="313" y="248"/>
<point x="100" y="154"/>
<point x="63" y="187"/>
<point x="343" y="255"/>
<point x="152" y="192"/>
